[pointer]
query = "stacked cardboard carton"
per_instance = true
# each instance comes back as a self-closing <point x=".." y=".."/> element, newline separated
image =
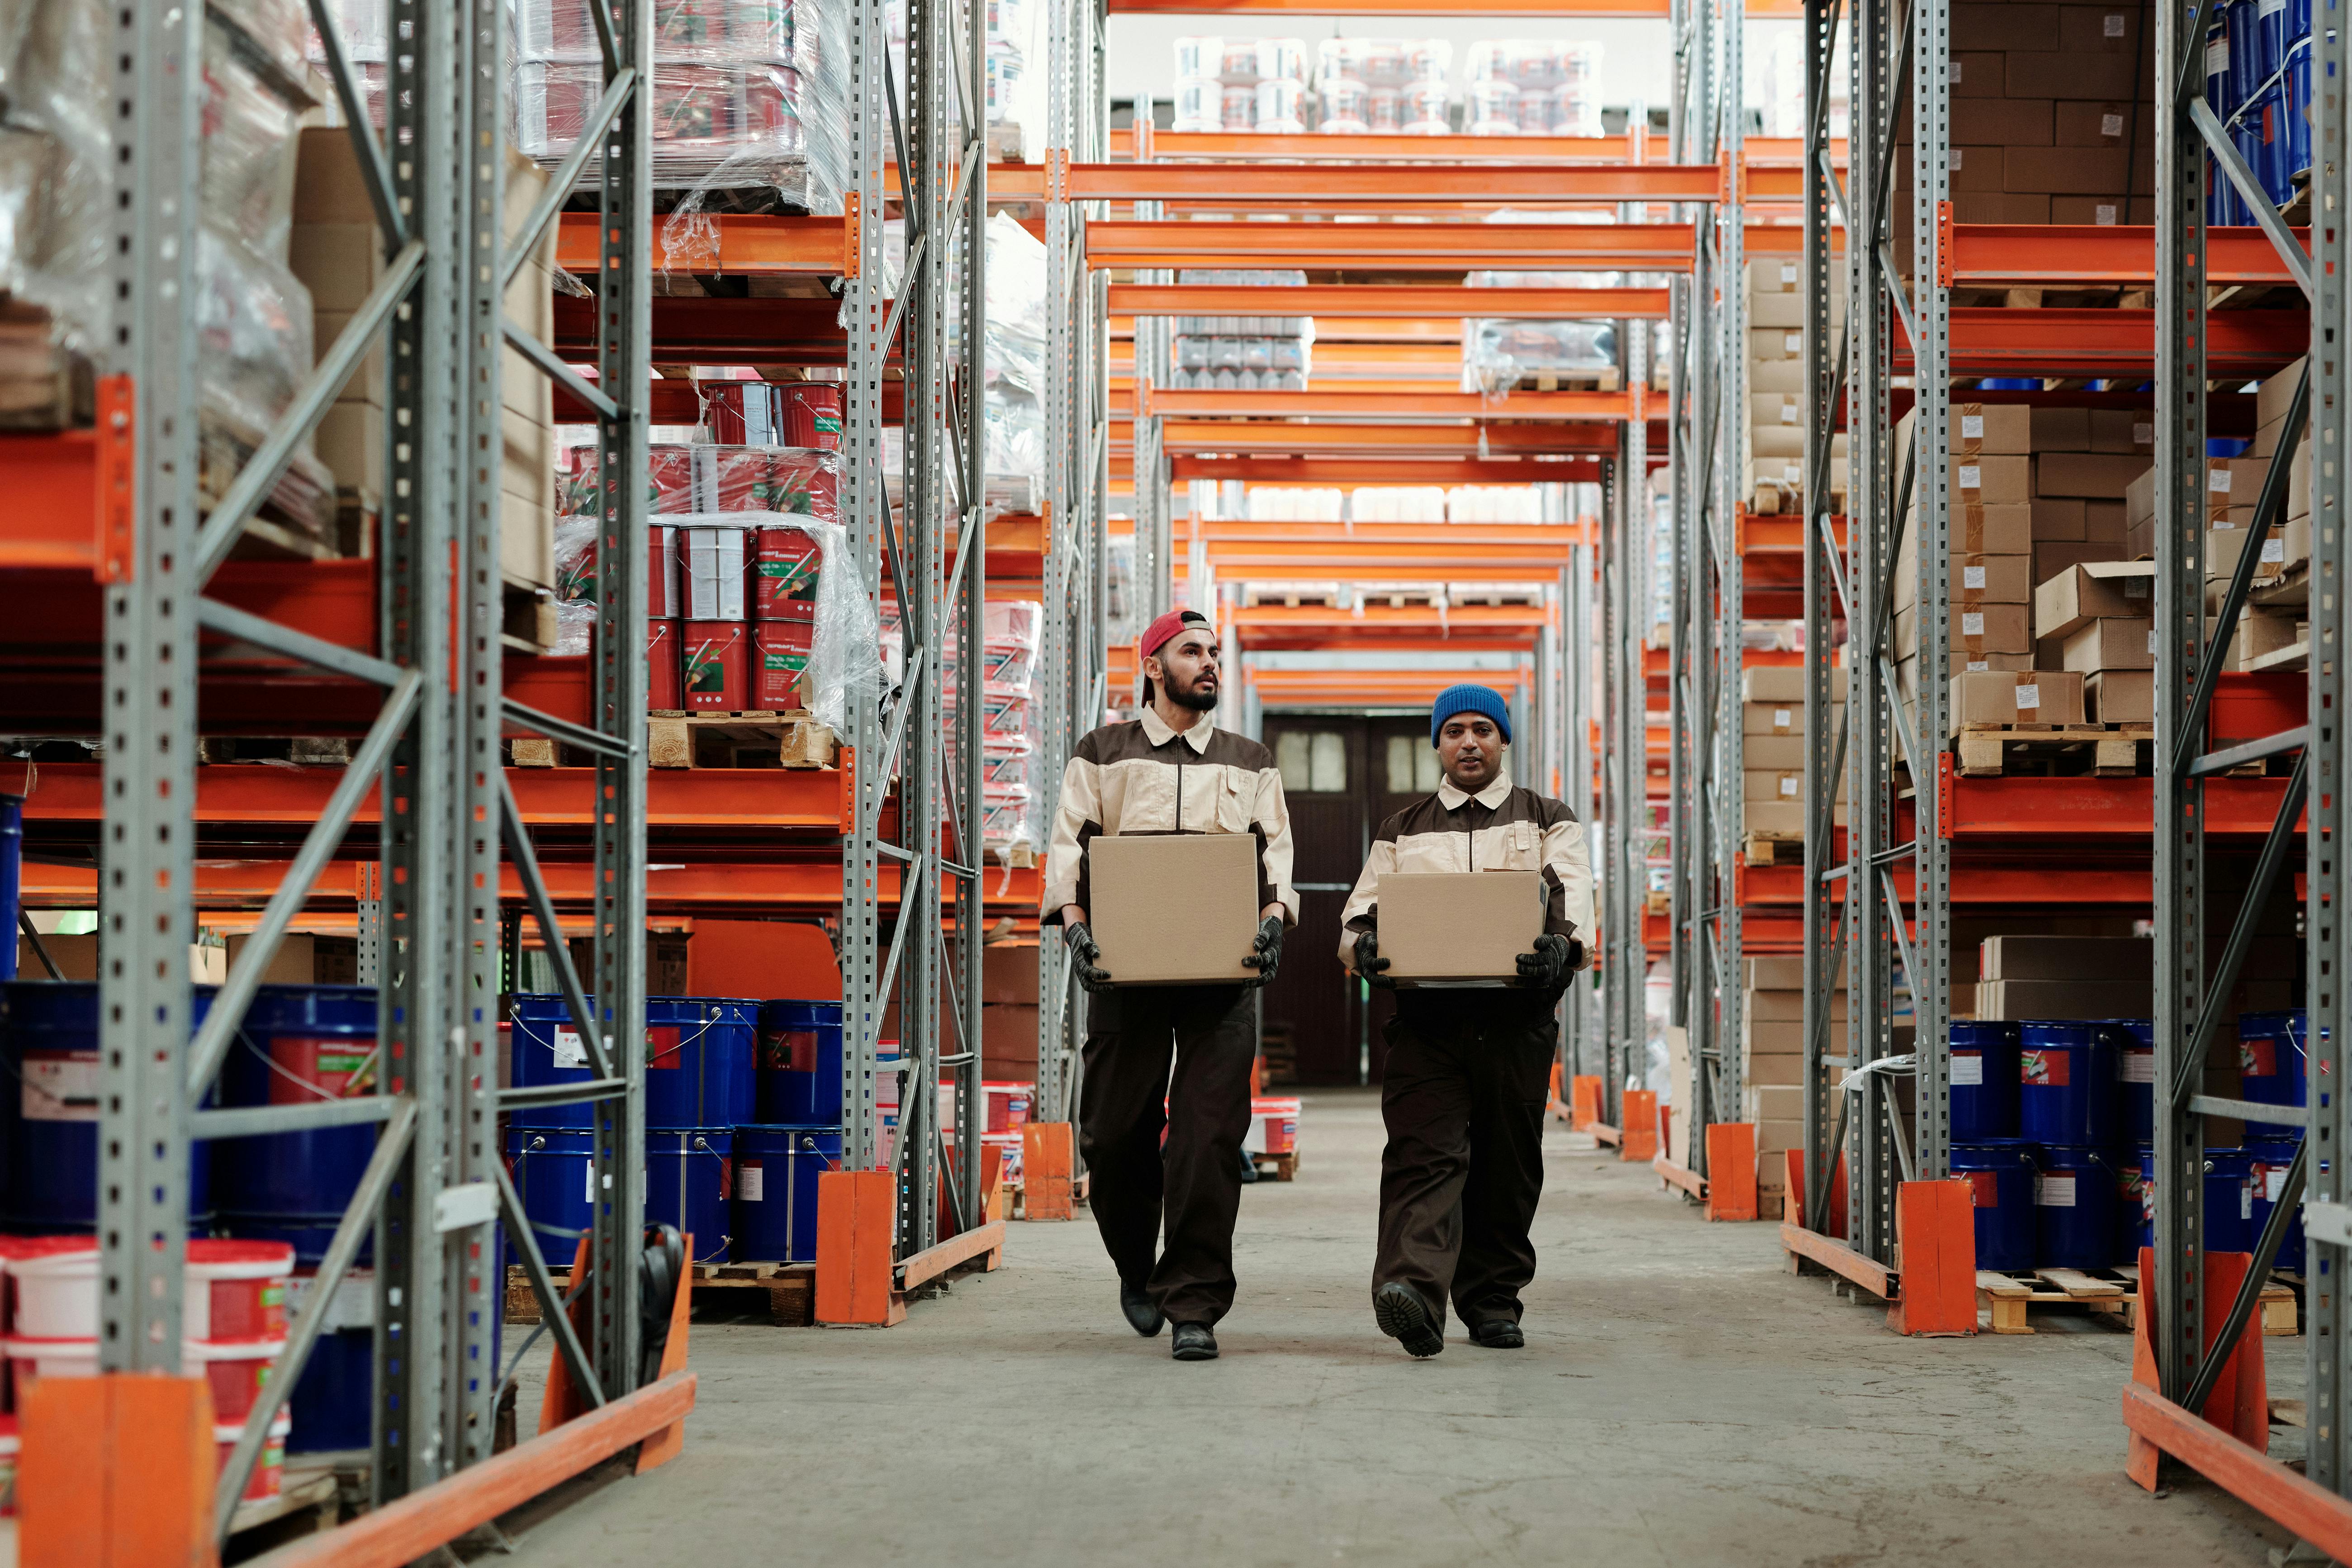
<point x="2064" y="977"/>
<point x="1772" y="744"/>
<point x="1772" y="1056"/>
<point x="1990" y="563"/>
<point x="1773" y="298"/>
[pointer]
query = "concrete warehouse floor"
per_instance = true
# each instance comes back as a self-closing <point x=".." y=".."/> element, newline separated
<point x="1681" y="1400"/>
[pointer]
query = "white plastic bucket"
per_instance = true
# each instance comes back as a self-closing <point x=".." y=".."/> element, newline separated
<point x="268" y="1476"/>
<point x="56" y="1290"/>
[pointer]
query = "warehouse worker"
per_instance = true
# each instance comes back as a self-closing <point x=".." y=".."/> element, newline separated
<point x="1170" y="771"/>
<point x="1468" y="1068"/>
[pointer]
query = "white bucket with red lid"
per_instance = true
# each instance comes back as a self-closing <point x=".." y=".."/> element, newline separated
<point x="236" y="1369"/>
<point x="31" y="1360"/>
<point x="236" y="1289"/>
<point x="268" y="1474"/>
<point x="54" y="1280"/>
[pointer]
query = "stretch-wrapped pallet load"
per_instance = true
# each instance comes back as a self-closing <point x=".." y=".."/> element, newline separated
<point x="747" y="94"/>
<point x="1532" y="87"/>
<point x="1012" y="401"/>
<point x="1236" y="84"/>
<point x="1011" y="99"/>
<point x="1241" y="354"/>
<point x="1383" y="87"/>
<point x="1772" y="752"/>
<point x="251" y="315"/>
<point x="1772" y="296"/>
<point x="1501" y="355"/>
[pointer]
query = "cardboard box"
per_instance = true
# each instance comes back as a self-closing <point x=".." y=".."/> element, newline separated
<point x="1776" y="408"/>
<point x="2002" y="430"/>
<point x="1986" y="629"/>
<point x="2003" y="26"/>
<point x="1772" y="784"/>
<point x="2093" y="590"/>
<point x="2113" y="642"/>
<point x="2121" y="123"/>
<point x="2124" y="430"/>
<point x="1785" y="683"/>
<point x="2024" y="696"/>
<point x="716" y="667"/>
<point x="2059" y="74"/>
<point x="76" y="957"/>
<point x="1781" y="819"/>
<point x="2057" y="518"/>
<point x="1776" y="310"/>
<point x="1785" y="1006"/>
<point x="2068" y="171"/>
<point x="2103" y="476"/>
<point x="1458" y="927"/>
<point x="1771" y="1036"/>
<point x="2004" y="530"/>
<point x="2224" y="545"/>
<point x="2054" y="557"/>
<point x="2260" y="633"/>
<point x="1130" y="880"/>
<point x="1976" y="580"/>
<point x="1786" y="375"/>
<point x="2130" y="959"/>
<point x="2277" y="393"/>
<point x="1775" y="343"/>
<point x="2012" y="121"/>
<point x="1991" y="479"/>
<point x="1772" y="275"/>
<point x="1772" y="718"/>
<point x="1996" y="206"/>
<point x="2120" y="697"/>
<point x="1974" y="169"/>
<point x="2103" y="212"/>
<point x="2012" y="999"/>
<point x="2104" y="520"/>
<point x="1783" y="753"/>
<point x="1974" y="73"/>
<point x="2099" y="31"/>
<point x="1776" y="972"/>
<point x="2058" y="428"/>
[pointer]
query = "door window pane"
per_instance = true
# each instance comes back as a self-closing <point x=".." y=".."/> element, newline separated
<point x="1400" y="765"/>
<point x="1425" y="771"/>
<point x="1328" y="769"/>
<point x="1290" y="757"/>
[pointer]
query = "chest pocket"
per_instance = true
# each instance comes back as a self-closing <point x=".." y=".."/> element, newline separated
<point x="1236" y="800"/>
<point x="1522" y="847"/>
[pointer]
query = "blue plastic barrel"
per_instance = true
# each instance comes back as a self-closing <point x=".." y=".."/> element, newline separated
<point x="2298" y="22"/>
<point x="2221" y="83"/>
<point x="2246" y="132"/>
<point x="48" y="1110"/>
<point x="551" y="1169"/>
<point x="2267" y="1160"/>
<point x="300" y="1044"/>
<point x="2298" y="108"/>
<point x="2066" y="1083"/>
<point x="2230" y="1223"/>
<point x="333" y="1404"/>
<point x="774" y="1213"/>
<point x="1983" y="1081"/>
<point x="12" y="878"/>
<point x="2135" y="1077"/>
<point x="2246" y="49"/>
<point x="2272" y="1068"/>
<point x="2073" y="1209"/>
<point x="688" y="1179"/>
<point x="800" y="1063"/>
<point x="699" y="1054"/>
<point x="2001" y="1171"/>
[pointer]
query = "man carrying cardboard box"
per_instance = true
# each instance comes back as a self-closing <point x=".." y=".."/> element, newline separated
<point x="1469" y="1064"/>
<point x="1170" y="773"/>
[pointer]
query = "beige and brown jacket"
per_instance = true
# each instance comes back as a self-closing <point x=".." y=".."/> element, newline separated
<point x="1143" y="778"/>
<point x="1500" y="828"/>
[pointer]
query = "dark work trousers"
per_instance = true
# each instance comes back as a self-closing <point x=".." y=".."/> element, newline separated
<point x="1194" y="1180"/>
<point x="1463" y="1096"/>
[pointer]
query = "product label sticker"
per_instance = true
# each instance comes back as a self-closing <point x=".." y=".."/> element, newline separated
<point x="1788" y="272"/>
<point x="2104" y="215"/>
<point x="2274" y="551"/>
<point x="1793" y="342"/>
<point x="1972" y="623"/>
<point x="1953" y="75"/>
<point x="1972" y="577"/>
<point x="2143" y="435"/>
<point x="1971" y="475"/>
<point x="2044" y="1070"/>
<point x="1979" y="666"/>
<point x="60" y="1086"/>
<point x="2273" y="1183"/>
<point x="2245" y="1200"/>
<point x="2111" y="24"/>
<point x="751" y="1182"/>
<point x="1958" y="159"/>
<point x="2054" y="1192"/>
<point x="1788" y="785"/>
<point x="2029" y="696"/>
<point x="352" y="1306"/>
<point x="568" y="1049"/>
<point x="1968" y="1068"/>
<point x="2111" y="124"/>
<point x="2151" y="639"/>
<point x="2217" y="481"/>
<point x="1788" y="411"/>
<point x="1781" y="718"/>
<point x="2138" y="1067"/>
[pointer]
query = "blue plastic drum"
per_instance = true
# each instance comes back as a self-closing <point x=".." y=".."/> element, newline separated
<point x="699" y="1054"/>
<point x="2269" y="35"/>
<point x="49" y="1110"/>
<point x="301" y="1045"/>
<point x="776" y="1171"/>
<point x="2066" y="1083"/>
<point x="554" y="1177"/>
<point x="2272" y="1068"/>
<point x="2267" y="1160"/>
<point x="2135" y="1077"/>
<point x="688" y="1179"/>
<point x="2002" y="1173"/>
<point x="800" y="1063"/>
<point x="2245" y="50"/>
<point x="1984" y="1082"/>
<point x="2073" y="1209"/>
<point x="2298" y="108"/>
<point x="2230" y="1223"/>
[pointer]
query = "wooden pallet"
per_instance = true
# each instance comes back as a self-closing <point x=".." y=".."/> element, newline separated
<point x="2054" y="751"/>
<point x="1604" y="379"/>
<point x="734" y="1289"/>
<point x="747" y="739"/>
<point x="1276" y="1167"/>
<point x="2006" y="1302"/>
<point x="527" y="618"/>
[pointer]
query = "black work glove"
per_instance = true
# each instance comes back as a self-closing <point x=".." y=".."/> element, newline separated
<point x="1083" y="953"/>
<point x="1265" y="952"/>
<point x="1548" y="965"/>
<point x="1371" y="964"/>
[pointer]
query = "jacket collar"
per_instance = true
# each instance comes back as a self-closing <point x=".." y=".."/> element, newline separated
<point x="1156" y="731"/>
<point x="1491" y="797"/>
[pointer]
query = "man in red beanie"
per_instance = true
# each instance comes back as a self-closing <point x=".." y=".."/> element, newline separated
<point x="1170" y="771"/>
<point x="1468" y="1068"/>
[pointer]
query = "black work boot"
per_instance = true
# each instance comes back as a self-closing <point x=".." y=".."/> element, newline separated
<point x="1498" y="1334"/>
<point x="1193" y="1341"/>
<point x="1404" y="1317"/>
<point x="1142" y="1312"/>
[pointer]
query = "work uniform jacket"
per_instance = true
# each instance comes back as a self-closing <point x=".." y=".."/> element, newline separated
<point x="1500" y="828"/>
<point x="1141" y="776"/>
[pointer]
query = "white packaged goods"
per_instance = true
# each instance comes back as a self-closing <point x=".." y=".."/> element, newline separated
<point x="1524" y="86"/>
<point x="1239" y="353"/>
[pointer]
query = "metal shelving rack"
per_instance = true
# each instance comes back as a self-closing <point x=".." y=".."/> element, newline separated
<point x="436" y="1184"/>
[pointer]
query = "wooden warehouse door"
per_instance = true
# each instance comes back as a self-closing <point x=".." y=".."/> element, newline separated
<point x="1340" y="774"/>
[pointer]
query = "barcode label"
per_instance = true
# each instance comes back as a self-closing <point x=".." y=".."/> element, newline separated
<point x="1788" y="785"/>
<point x="2029" y="696"/>
<point x="1782" y="717"/>
<point x="1971" y="425"/>
<point x="2111" y="124"/>
<point x="2104" y="215"/>
<point x="1979" y="666"/>
<point x="2217" y="482"/>
<point x="2111" y="24"/>
<point x="1972" y="623"/>
<point x="1793" y="342"/>
<point x="1971" y="477"/>
<point x="2054" y="1192"/>
<point x="2274" y="549"/>
<point x="1972" y="577"/>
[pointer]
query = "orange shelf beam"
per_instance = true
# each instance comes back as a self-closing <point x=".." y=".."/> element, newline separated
<point x="2120" y="253"/>
<point x="1763" y="151"/>
<point x="1639" y="9"/>
<point x="1585" y="438"/>
<point x="1438" y="307"/>
<point x="1345" y="403"/>
<point x="1372" y="688"/>
<point x="1992" y="340"/>
<point x="1418" y="248"/>
<point x="728" y="242"/>
<point x="1374" y="469"/>
<point x="54" y="521"/>
<point x="1316" y="184"/>
<point x="1471" y="619"/>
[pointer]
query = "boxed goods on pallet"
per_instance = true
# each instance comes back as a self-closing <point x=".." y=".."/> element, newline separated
<point x="1772" y="1056"/>
<point x="1225" y="83"/>
<point x="1772" y="721"/>
<point x="1773" y="479"/>
<point x="1245" y="354"/>
<point x="1500" y="355"/>
<point x="1382" y="87"/>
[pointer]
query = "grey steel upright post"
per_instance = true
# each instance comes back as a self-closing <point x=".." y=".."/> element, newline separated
<point x="1616" y="903"/>
<point x="148" y="857"/>
<point x="1730" y="436"/>
<point x="967" y="231"/>
<point x="1631" y="741"/>
<point x="1583" y="1005"/>
<point x="1060" y="1004"/>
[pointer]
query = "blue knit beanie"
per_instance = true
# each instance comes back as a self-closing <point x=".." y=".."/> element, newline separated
<point x="1469" y="699"/>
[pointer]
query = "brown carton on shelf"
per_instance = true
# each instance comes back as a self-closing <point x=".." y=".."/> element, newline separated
<point x="1775" y="342"/>
<point x="2014" y="999"/>
<point x="2090" y="124"/>
<point x="2095" y="476"/>
<point x="2262" y="631"/>
<point x="2025" y="696"/>
<point x="2057" y="518"/>
<point x="2035" y="957"/>
<point x="1459" y="928"/>
<point x="1778" y="818"/>
<point x="2000" y="206"/>
<point x="1784" y="1006"/>
<point x="1141" y="884"/>
<point x="1985" y="629"/>
<point x="2099" y="29"/>
<point x="2002" y="25"/>
<point x="2059" y="427"/>
<point x="2057" y="74"/>
<point x="2120" y="697"/>
<point x="1786" y="754"/>
<point x="2052" y="557"/>
<point x="2112" y="642"/>
<point x="1777" y="310"/>
<point x="2006" y="529"/>
<point x="1772" y="718"/>
<point x="2224" y="545"/>
<point x="1991" y="479"/>
<point x="1977" y="168"/>
<point x="1768" y="783"/>
<point x="2277" y="393"/>
<point x="1784" y="683"/>
<point x="2103" y="212"/>
<point x="2104" y="521"/>
<point x="2067" y="171"/>
<point x="2091" y="591"/>
<point x="1776" y="971"/>
<point x="1978" y="428"/>
<point x="1975" y="73"/>
<point x="1976" y="580"/>
<point x="2124" y="430"/>
<point x="2013" y="121"/>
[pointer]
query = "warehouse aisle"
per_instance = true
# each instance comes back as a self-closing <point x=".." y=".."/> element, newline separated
<point x="1681" y="1401"/>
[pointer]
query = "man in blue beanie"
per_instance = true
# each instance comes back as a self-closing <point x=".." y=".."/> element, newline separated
<point x="1468" y="1068"/>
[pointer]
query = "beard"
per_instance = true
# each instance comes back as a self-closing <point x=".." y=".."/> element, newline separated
<point x="1190" y="696"/>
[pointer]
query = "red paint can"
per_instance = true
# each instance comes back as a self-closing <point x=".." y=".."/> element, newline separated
<point x="780" y="656"/>
<point x="665" y="690"/>
<point x="811" y="415"/>
<point x="713" y="666"/>
<point x="785" y="564"/>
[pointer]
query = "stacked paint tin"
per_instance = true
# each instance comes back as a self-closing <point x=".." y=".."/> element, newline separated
<point x="697" y="1090"/>
<point x="794" y="1132"/>
<point x="2258" y="82"/>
